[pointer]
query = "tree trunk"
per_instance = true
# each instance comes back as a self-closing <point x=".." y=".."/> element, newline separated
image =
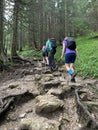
<point x="66" y="19"/>
<point x="41" y="25"/>
<point x="2" y="55"/>
<point x="15" y="32"/>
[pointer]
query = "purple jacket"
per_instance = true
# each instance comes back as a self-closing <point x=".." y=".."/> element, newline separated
<point x="67" y="50"/>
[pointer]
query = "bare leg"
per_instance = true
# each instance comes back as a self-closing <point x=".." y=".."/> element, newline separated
<point x="47" y="61"/>
<point x="72" y="67"/>
<point x="67" y="66"/>
<point x="44" y="61"/>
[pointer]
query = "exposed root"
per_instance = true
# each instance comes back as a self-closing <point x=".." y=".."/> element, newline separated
<point x="92" y="123"/>
<point x="6" y="101"/>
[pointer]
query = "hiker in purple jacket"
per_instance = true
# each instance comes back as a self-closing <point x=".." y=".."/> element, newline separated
<point x="70" y="57"/>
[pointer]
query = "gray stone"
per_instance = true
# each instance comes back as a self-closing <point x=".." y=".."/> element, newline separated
<point x="37" y="77"/>
<point x="48" y="103"/>
<point x="39" y="124"/>
<point x="56" y="92"/>
<point x="49" y="84"/>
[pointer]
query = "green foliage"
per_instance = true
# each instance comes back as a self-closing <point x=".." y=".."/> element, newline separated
<point x="58" y="53"/>
<point x="87" y="64"/>
<point x="34" y="53"/>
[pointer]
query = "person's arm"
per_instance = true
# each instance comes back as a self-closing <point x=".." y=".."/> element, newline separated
<point x="63" y="50"/>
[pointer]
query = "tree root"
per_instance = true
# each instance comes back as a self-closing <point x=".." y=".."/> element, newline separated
<point x="6" y="101"/>
<point x="92" y="123"/>
<point x="4" y="104"/>
<point x="18" y="59"/>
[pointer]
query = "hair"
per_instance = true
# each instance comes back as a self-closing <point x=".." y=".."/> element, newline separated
<point x="65" y="38"/>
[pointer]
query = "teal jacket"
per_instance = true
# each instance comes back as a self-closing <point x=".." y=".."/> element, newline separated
<point x="48" y="45"/>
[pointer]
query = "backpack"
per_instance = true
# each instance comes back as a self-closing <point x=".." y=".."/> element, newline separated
<point x="71" y="43"/>
<point x="53" y="43"/>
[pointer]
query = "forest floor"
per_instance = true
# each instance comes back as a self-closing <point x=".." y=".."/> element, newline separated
<point x="20" y="86"/>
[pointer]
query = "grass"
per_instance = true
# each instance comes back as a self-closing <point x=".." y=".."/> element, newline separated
<point x="34" y="53"/>
<point x="86" y="65"/>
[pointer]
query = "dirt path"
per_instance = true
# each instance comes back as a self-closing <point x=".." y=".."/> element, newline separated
<point x="28" y="80"/>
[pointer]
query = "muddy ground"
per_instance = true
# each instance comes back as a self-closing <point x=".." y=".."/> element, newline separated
<point x="21" y="84"/>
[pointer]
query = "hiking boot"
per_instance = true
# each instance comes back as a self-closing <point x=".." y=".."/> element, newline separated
<point x="47" y="65"/>
<point x="73" y="80"/>
<point x="73" y="77"/>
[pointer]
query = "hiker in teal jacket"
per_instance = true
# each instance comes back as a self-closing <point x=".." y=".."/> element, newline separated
<point x="51" y="46"/>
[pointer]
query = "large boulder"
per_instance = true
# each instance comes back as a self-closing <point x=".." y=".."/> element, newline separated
<point x="48" y="103"/>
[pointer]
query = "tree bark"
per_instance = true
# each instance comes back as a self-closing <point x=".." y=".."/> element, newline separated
<point x="15" y="31"/>
<point x="2" y="55"/>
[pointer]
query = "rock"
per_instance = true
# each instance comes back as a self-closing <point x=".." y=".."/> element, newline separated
<point x="66" y="88"/>
<point x="44" y="86"/>
<point x="37" y="77"/>
<point x="56" y="92"/>
<point x="29" y="110"/>
<point x="45" y="79"/>
<point x="61" y="69"/>
<point x="48" y="103"/>
<point x="22" y="115"/>
<point x="12" y="86"/>
<point x="57" y="74"/>
<point x="37" y="69"/>
<point x="75" y="85"/>
<point x="25" y="124"/>
<point x="47" y="71"/>
<point x="37" y="123"/>
<point x="35" y="92"/>
<point x="49" y="84"/>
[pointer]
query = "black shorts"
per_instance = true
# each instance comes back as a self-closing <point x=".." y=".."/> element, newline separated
<point x="70" y="58"/>
<point x="45" y="54"/>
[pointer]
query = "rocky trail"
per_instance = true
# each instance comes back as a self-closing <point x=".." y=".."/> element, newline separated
<point x="34" y="98"/>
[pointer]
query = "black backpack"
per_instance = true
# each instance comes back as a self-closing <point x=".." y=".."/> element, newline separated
<point x="71" y="43"/>
<point x="53" y="43"/>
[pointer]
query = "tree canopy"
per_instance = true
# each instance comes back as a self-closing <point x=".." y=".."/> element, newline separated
<point x="32" y="22"/>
